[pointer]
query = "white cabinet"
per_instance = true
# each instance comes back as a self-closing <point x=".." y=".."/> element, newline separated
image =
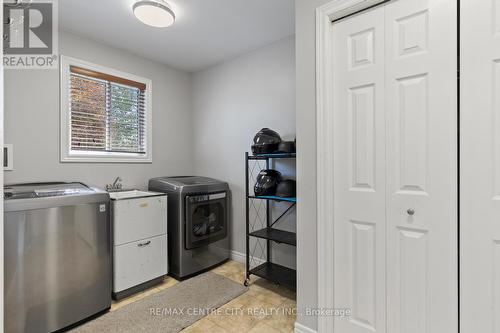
<point x="139" y="240"/>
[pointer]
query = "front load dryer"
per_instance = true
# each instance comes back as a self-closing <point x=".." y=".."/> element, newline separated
<point x="198" y="222"/>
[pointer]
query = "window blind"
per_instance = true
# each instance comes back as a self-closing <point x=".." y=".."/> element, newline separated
<point x="107" y="113"/>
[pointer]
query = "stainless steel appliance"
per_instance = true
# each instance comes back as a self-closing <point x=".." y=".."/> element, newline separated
<point x="57" y="255"/>
<point x="198" y="222"/>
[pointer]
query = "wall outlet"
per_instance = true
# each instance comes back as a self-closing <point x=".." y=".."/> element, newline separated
<point x="8" y="157"/>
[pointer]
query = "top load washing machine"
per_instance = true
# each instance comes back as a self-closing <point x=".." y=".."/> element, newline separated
<point x="57" y="255"/>
<point x="198" y="222"/>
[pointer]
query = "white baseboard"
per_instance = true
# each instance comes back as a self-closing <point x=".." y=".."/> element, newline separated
<point x="241" y="257"/>
<point x="299" y="328"/>
<point x="237" y="256"/>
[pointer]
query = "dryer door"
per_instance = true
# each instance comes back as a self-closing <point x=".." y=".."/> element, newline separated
<point x="206" y="219"/>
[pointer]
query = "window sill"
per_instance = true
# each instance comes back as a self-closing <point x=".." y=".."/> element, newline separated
<point x="106" y="159"/>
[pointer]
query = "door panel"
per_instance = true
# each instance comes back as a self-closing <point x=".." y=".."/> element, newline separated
<point x="421" y="104"/>
<point x="412" y="141"/>
<point x="359" y="239"/>
<point x="480" y="167"/>
<point x="362" y="151"/>
<point x="412" y="276"/>
<point x="139" y="261"/>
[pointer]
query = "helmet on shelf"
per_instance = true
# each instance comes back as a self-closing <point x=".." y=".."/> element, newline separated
<point x="287" y="147"/>
<point x="267" y="182"/>
<point x="286" y="189"/>
<point x="266" y="141"/>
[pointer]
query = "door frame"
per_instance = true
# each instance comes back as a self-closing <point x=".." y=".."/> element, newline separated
<point x="325" y="15"/>
<point x="2" y="262"/>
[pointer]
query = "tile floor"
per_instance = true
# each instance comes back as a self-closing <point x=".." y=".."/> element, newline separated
<point x="264" y="308"/>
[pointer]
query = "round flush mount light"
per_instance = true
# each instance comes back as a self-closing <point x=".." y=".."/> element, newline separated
<point x="156" y="13"/>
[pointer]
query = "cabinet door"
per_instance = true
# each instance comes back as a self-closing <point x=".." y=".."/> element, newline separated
<point x="139" y="218"/>
<point x="359" y="172"/>
<point x="422" y="209"/>
<point x="138" y="262"/>
<point x="480" y="167"/>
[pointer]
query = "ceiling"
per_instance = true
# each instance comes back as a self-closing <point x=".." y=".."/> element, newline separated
<point x="206" y="32"/>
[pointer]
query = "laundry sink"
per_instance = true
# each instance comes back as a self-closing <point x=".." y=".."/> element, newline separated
<point x="132" y="194"/>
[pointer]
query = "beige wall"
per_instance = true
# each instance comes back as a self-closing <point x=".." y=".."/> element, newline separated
<point x="232" y="102"/>
<point x="32" y="120"/>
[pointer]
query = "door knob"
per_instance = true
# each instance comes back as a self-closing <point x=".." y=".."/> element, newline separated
<point x="411" y="211"/>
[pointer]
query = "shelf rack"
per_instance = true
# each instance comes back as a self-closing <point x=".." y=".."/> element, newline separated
<point x="268" y="269"/>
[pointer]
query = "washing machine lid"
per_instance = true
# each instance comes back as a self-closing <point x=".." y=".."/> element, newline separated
<point x="190" y="180"/>
<point x="44" y="190"/>
<point x="22" y="197"/>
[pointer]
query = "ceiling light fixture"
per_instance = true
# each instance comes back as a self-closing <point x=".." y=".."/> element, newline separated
<point x="156" y="13"/>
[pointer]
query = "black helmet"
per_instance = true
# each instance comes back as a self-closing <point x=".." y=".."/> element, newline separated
<point x="287" y="189"/>
<point x="286" y="147"/>
<point x="266" y="141"/>
<point x="267" y="181"/>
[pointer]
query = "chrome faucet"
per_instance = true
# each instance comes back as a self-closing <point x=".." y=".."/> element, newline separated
<point x="116" y="186"/>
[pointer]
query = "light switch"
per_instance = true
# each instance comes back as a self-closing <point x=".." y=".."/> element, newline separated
<point x="8" y="157"/>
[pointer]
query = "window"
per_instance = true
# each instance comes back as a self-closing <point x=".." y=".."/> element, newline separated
<point x="105" y="114"/>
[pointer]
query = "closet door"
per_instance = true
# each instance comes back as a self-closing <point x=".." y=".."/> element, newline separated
<point x="359" y="172"/>
<point x="422" y="209"/>
<point x="480" y="166"/>
<point x="395" y="168"/>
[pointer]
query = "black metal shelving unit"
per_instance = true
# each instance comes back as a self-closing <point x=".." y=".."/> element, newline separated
<point x="268" y="270"/>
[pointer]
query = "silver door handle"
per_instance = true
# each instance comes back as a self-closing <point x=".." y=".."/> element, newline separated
<point x="411" y="211"/>
<point x="144" y="244"/>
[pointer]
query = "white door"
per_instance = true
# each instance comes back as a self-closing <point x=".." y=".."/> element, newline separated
<point x="422" y="181"/>
<point x="480" y="167"/>
<point x="395" y="168"/>
<point x="359" y="172"/>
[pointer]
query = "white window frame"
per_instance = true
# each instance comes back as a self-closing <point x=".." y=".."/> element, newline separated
<point x="67" y="155"/>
